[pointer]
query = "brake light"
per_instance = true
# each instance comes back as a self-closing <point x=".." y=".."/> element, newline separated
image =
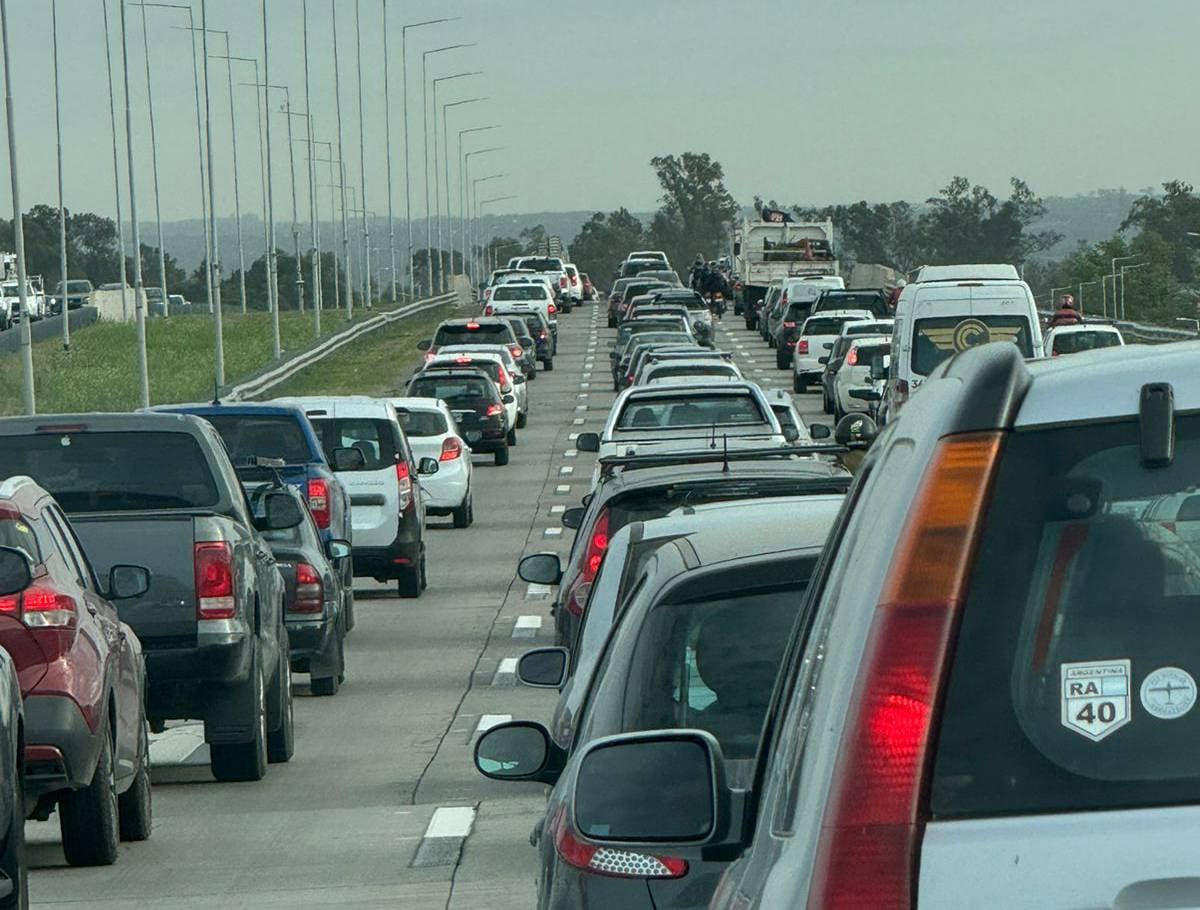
<point x="310" y="590"/>
<point x="429" y="355"/>
<point x="213" y="562"/>
<point x="562" y="282"/>
<point x="41" y="608"/>
<point x="517" y="351"/>
<point x="318" y="502"/>
<point x="611" y="861"/>
<point x="783" y="299"/>
<point x="789" y="325"/>
<point x="451" y="449"/>
<point x="493" y="410"/>
<point x="505" y="381"/>
<point x="542" y="335"/>
<point x="488" y="310"/>
<point x="406" y="485"/>
<point x="802" y="346"/>
<point x="472" y="326"/>
<point x="875" y="816"/>
<point x="553" y="309"/>
<point x="463" y="359"/>
<point x="852" y="358"/>
<point x="901" y="391"/>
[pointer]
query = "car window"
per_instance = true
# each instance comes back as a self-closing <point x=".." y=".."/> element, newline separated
<point x="68" y="547"/>
<point x="520" y="292"/>
<point x="474" y="332"/>
<point x="465" y="390"/>
<point x="374" y="437"/>
<point x="114" y="471"/>
<point x="695" y="369"/>
<point x="422" y="423"/>
<point x="673" y="412"/>
<point x="15" y="532"/>
<point x="246" y="436"/>
<point x="939" y="338"/>
<point x="1075" y="342"/>
<point x="1074" y="681"/>
<point x="826" y="325"/>
<point x="491" y="367"/>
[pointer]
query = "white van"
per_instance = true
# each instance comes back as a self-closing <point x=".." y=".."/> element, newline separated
<point x="951" y="308"/>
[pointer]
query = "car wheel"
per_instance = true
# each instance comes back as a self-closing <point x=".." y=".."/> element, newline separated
<point x="749" y="324"/>
<point x="248" y="760"/>
<point x="533" y="373"/>
<point x="424" y="570"/>
<point x="522" y="419"/>
<point x="511" y="438"/>
<point x="501" y="456"/>
<point x="612" y="322"/>
<point x="328" y="685"/>
<point x="89" y="817"/>
<point x="797" y="385"/>
<point x="782" y="360"/>
<point x="462" y="515"/>
<point x="12" y="862"/>
<point x="409" y="585"/>
<point x="349" y="608"/>
<point x="281" y="742"/>
<point x="134" y="808"/>
<point x="549" y="367"/>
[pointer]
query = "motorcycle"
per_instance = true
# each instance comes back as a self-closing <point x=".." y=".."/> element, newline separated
<point x="716" y="304"/>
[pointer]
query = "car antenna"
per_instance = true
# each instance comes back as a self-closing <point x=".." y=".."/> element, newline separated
<point x="216" y="392"/>
<point x="725" y="454"/>
<point x="712" y="442"/>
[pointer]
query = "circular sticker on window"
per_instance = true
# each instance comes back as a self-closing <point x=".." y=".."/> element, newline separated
<point x="969" y="333"/>
<point x="1168" y="693"/>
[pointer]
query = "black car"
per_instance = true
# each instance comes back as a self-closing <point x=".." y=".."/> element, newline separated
<point x="873" y="299"/>
<point x="476" y="404"/>
<point x="542" y="334"/>
<point x="315" y="598"/>
<point x="480" y="330"/>
<point x="637" y="288"/>
<point x="14" y="578"/>
<point x="528" y="358"/>
<point x="696" y="643"/>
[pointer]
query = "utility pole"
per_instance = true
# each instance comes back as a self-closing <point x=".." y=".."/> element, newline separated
<point x="162" y="256"/>
<point x="362" y="160"/>
<point x="112" y="122"/>
<point x="337" y="90"/>
<point x="214" y="265"/>
<point x="62" y="211"/>
<point x="387" y="130"/>
<point x="272" y="273"/>
<point x="139" y="297"/>
<point x="462" y="191"/>
<point x="289" y="113"/>
<point x="446" y="175"/>
<point x="18" y="226"/>
<point x="312" y="190"/>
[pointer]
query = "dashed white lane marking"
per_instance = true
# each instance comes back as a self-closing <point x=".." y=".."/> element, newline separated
<point x="566" y="469"/>
<point x="578" y="421"/>
<point x="582" y="395"/>
<point x="457" y="821"/>
<point x="535" y="591"/>
<point x="556" y="510"/>
<point x="526" y="626"/>
<point x="572" y="436"/>
<point x="581" y="407"/>
<point x="552" y="532"/>
<point x="506" y="672"/>
<point x="584" y="385"/>
<point x="563" y="488"/>
<point x="570" y="453"/>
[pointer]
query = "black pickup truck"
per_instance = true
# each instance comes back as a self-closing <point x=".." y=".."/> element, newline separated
<point x="159" y="490"/>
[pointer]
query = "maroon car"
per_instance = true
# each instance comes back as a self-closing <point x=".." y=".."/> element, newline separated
<point x="82" y="679"/>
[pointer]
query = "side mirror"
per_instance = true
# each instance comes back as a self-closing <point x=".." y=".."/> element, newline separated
<point x="125" y="582"/>
<point x="540" y="569"/>
<point x="573" y="518"/>
<point x="347" y="458"/>
<point x="822" y="360"/>
<point x="518" y="750"/>
<point x="661" y="786"/>
<point x="543" y="668"/>
<point x="424" y="345"/>
<point x="427" y="466"/>
<point x="279" y="512"/>
<point x="856" y="431"/>
<point x="866" y="394"/>
<point x="338" y="549"/>
<point x="518" y="379"/>
<point x="819" y="430"/>
<point x="587" y="442"/>
<point x="791" y="434"/>
<point x="508" y="399"/>
<point x="526" y="343"/>
<point x="16" y="573"/>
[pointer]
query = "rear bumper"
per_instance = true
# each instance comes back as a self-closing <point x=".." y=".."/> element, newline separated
<point x="182" y="681"/>
<point x="447" y="489"/>
<point x="394" y="560"/>
<point x="308" y="638"/>
<point x="54" y="724"/>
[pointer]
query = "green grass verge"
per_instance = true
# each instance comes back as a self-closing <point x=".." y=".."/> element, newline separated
<point x="377" y="363"/>
<point x="100" y="372"/>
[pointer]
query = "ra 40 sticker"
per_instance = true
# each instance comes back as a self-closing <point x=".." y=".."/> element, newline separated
<point x="1095" y="697"/>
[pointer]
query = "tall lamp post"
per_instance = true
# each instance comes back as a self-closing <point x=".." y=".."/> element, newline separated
<point x="446" y="175"/>
<point x="437" y="205"/>
<point x="475" y="195"/>
<point x="462" y="188"/>
<point x="162" y="256"/>
<point x="481" y="203"/>
<point x="64" y="310"/>
<point x="467" y="164"/>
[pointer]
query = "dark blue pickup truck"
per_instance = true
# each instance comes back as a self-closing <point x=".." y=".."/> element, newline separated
<point x="281" y="431"/>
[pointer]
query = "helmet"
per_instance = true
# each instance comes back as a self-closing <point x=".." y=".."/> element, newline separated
<point x="699" y="260"/>
<point x="1066" y="302"/>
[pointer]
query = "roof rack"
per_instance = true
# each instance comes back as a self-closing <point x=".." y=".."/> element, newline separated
<point x="610" y="463"/>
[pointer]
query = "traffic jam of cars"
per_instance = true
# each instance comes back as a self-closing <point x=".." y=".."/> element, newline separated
<point x="790" y="661"/>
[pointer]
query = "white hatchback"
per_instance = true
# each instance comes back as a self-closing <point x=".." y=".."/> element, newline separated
<point x="432" y="433"/>
<point x="817" y="336"/>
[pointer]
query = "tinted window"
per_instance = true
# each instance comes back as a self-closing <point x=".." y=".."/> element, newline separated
<point x="1075" y="342"/>
<point x="826" y="325"/>
<point x="517" y="324"/>
<point x="246" y="436"/>
<point x="79" y="287"/>
<point x="16" y="533"/>
<point x="541" y="265"/>
<point x="422" y="423"/>
<point x="375" y="438"/>
<point x="451" y="388"/>
<point x="940" y="338"/>
<point x="101" y="472"/>
<point x="1074" y="681"/>
<point x="520" y="292"/>
<point x="694" y="369"/>
<point x="491" y="367"/>
<point x="871" y="355"/>
<point x="690" y="411"/>
<point x="482" y="332"/>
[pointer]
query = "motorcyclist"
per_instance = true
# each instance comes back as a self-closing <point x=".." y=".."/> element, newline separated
<point x="696" y="273"/>
<point x="1066" y="313"/>
<point x="713" y="283"/>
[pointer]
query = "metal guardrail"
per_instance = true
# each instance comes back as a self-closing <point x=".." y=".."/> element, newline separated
<point x="277" y="373"/>
<point x="1137" y="332"/>
<point x="50" y="327"/>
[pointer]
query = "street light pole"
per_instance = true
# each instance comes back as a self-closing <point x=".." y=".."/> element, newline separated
<point x="436" y="197"/>
<point x="312" y="190"/>
<point x="289" y="113"/>
<point x="387" y="131"/>
<point x="62" y="211"/>
<point x="362" y="158"/>
<point x="469" y="155"/>
<point x="272" y="271"/>
<point x="18" y="222"/>
<point x="112" y="122"/>
<point x="446" y="175"/>
<point x="337" y="300"/>
<point x="337" y="90"/>
<point x="214" y="265"/>
<point x="479" y="204"/>
<point x="475" y="190"/>
<point x="462" y="190"/>
<point x="139" y="301"/>
<point x="1124" y="269"/>
<point x="162" y="256"/>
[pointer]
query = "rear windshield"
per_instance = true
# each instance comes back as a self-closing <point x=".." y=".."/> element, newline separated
<point x="376" y="439"/>
<point x="520" y="292"/>
<point x="246" y="436"/>
<point x="517" y="324"/>
<point x="690" y="411"/>
<point x="422" y="423"/>
<point x="1074" y="682"/>
<point x="482" y="333"/>
<point x="868" y="328"/>
<point x="640" y="265"/>
<point x="491" y="367"/>
<point x="541" y="265"/>
<point x="694" y="369"/>
<point x="79" y="287"/>
<point x="1076" y="342"/>
<point x="533" y="322"/>
<point x="940" y="338"/>
<point x="826" y="325"/>
<point x="842" y="301"/>
<point x="114" y="472"/>
<point x="465" y="390"/>
<point x="871" y="355"/>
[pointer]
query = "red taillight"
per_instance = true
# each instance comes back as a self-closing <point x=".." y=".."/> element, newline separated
<point x="505" y="381"/>
<point x="451" y="449"/>
<point x="463" y="359"/>
<point x="783" y="299"/>
<point x="597" y="547"/>
<point x="472" y="326"/>
<point x="41" y="608"/>
<point x="318" y="502"/>
<point x="852" y="357"/>
<point x="802" y="346"/>
<point x="310" y="590"/>
<point x="488" y="310"/>
<point x="553" y="309"/>
<point x="1169" y="525"/>
<point x="874" y="819"/>
<point x="609" y="860"/>
<point x="517" y="351"/>
<point x="406" y="485"/>
<point x="214" y="579"/>
<point x="562" y="282"/>
<point x="542" y="335"/>
<point x="901" y="391"/>
<point x="574" y="281"/>
<point x="493" y="410"/>
<point x="789" y="325"/>
<point x="429" y="355"/>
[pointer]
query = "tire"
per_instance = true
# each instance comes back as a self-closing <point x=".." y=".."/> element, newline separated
<point x="511" y="438"/>
<point x="782" y="360"/>
<point x="612" y="322"/>
<point x="799" y="385"/>
<point x="533" y="374"/>
<point x="248" y="760"/>
<point x="749" y="325"/>
<point x="89" y="817"/>
<point x="549" y="365"/>
<point x="134" y="807"/>
<point x="462" y="515"/>
<point x="424" y="571"/>
<point x="501" y="456"/>
<point x="281" y="742"/>
<point x="826" y="406"/>
<point x="409" y="585"/>
<point x="349" y="608"/>
<point x="324" y="686"/>
<point x="12" y="862"/>
<point x="522" y="419"/>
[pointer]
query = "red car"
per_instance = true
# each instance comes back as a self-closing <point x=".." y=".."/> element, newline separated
<point x="82" y="679"/>
<point x="589" y="289"/>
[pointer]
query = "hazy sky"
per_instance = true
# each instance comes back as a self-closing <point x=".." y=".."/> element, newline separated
<point x="800" y="101"/>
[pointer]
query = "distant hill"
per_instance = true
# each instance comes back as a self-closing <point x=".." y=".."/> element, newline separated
<point x="1088" y="218"/>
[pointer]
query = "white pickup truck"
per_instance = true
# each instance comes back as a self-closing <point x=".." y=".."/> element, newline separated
<point x="766" y="251"/>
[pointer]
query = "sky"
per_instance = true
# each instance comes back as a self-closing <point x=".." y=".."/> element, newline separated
<point x="799" y="101"/>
